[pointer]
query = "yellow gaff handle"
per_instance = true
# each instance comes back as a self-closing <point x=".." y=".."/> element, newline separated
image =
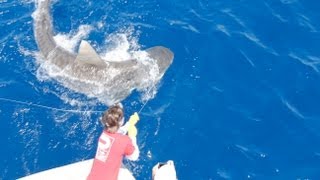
<point x="132" y="130"/>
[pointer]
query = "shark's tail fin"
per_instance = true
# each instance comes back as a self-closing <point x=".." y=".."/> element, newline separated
<point x="43" y="27"/>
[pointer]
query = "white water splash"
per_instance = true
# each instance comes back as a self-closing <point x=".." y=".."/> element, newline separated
<point x="71" y="40"/>
<point x="119" y="46"/>
<point x="107" y="85"/>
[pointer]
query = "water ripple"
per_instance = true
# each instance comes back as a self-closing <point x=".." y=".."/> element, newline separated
<point x="247" y="58"/>
<point x="304" y="21"/>
<point x="310" y="61"/>
<point x="275" y="14"/>
<point x="292" y="108"/>
<point x="184" y="25"/>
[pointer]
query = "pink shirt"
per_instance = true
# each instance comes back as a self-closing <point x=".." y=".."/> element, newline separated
<point x="111" y="149"/>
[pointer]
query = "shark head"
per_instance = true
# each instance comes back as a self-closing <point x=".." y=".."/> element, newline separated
<point x="87" y="73"/>
<point x="163" y="57"/>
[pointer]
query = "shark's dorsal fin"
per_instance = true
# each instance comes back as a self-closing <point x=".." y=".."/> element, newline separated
<point x="87" y="55"/>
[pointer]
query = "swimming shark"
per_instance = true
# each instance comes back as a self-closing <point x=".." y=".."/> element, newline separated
<point x="86" y="72"/>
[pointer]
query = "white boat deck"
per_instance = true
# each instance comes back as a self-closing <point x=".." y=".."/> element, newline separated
<point x="75" y="171"/>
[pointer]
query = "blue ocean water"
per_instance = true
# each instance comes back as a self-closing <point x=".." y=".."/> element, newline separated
<point x="240" y="101"/>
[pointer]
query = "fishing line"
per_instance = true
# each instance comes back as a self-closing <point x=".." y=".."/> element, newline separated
<point x="144" y="104"/>
<point x="46" y="107"/>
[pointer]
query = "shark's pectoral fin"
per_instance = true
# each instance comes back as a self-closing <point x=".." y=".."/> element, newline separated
<point x="87" y="55"/>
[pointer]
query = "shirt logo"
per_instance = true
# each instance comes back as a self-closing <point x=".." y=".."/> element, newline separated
<point x="104" y="147"/>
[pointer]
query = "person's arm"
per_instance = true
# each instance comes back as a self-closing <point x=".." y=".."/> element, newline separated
<point x="136" y="152"/>
<point x="124" y="129"/>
